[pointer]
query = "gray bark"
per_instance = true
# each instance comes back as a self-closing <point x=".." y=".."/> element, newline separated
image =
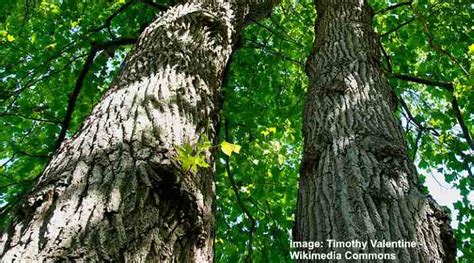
<point x="357" y="181"/>
<point x="113" y="192"/>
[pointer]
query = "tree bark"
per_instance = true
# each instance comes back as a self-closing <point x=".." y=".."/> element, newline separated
<point x="113" y="192"/>
<point x="357" y="181"/>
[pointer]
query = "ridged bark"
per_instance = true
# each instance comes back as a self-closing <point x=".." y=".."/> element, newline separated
<point x="113" y="192"/>
<point x="357" y="181"/>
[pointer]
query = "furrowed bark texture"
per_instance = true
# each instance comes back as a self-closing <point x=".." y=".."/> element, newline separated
<point x="114" y="192"/>
<point x="357" y="181"/>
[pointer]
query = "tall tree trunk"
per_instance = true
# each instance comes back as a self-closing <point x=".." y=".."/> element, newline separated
<point x="357" y="181"/>
<point x="114" y="192"/>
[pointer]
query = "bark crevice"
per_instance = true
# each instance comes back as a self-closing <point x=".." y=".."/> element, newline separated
<point x="357" y="181"/>
<point x="113" y="192"/>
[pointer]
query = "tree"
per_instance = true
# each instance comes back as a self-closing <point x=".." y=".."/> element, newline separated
<point x="357" y="181"/>
<point x="48" y="88"/>
<point x="116" y="191"/>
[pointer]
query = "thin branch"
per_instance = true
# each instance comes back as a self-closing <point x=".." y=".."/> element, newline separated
<point x="289" y="39"/>
<point x="386" y="56"/>
<point x="275" y="223"/>
<point x="443" y="84"/>
<point x="11" y="184"/>
<point x="16" y="149"/>
<point x="8" y="185"/>
<point x="399" y="26"/>
<point x="298" y="40"/>
<point x="158" y="6"/>
<point x="436" y="180"/>
<point x="433" y="45"/>
<point x="109" y="19"/>
<point x="34" y="155"/>
<point x="454" y="102"/>
<point x="89" y="33"/>
<point x="73" y="96"/>
<point x="32" y="81"/>
<point x="275" y="53"/>
<point x="417" y="142"/>
<point x="244" y="208"/>
<point x="70" y="45"/>
<point x="414" y="120"/>
<point x="8" y="161"/>
<point x="115" y="43"/>
<point x="19" y="115"/>
<point x="16" y="152"/>
<point x="95" y="47"/>
<point x="407" y="125"/>
<point x="393" y="7"/>
<point x="459" y="117"/>
<point x="59" y="54"/>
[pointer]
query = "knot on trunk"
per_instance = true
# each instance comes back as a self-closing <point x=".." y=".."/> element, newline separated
<point x="183" y="194"/>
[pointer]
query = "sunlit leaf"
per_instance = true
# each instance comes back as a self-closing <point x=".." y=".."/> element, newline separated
<point x="229" y="148"/>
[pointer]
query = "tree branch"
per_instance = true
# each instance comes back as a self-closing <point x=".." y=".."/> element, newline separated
<point x="34" y="155"/>
<point x="459" y="117"/>
<point x="158" y="6"/>
<point x="454" y="102"/>
<point x="14" y="95"/>
<point x="398" y="27"/>
<point x="5" y="163"/>
<point x="73" y="96"/>
<point x="417" y="142"/>
<point x="275" y="53"/>
<point x="433" y="45"/>
<point x="109" y="19"/>
<point x="289" y="39"/>
<point x="443" y="84"/>
<point x="386" y="56"/>
<point x="95" y="47"/>
<point x="236" y="191"/>
<point x="19" y="115"/>
<point x="393" y="7"/>
<point x="414" y="120"/>
<point x="277" y="227"/>
<point x="115" y="43"/>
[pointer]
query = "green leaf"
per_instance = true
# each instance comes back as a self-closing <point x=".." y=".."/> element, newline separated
<point x="471" y="49"/>
<point x="268" y="130"/>
<point x="189" y="159"/>
<point x="185" y="156"/>
<point x="204" y="144"/>
<point x="52" y="45"/>
<point x="229" y="148"/>
<point x="201" y="162"/>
